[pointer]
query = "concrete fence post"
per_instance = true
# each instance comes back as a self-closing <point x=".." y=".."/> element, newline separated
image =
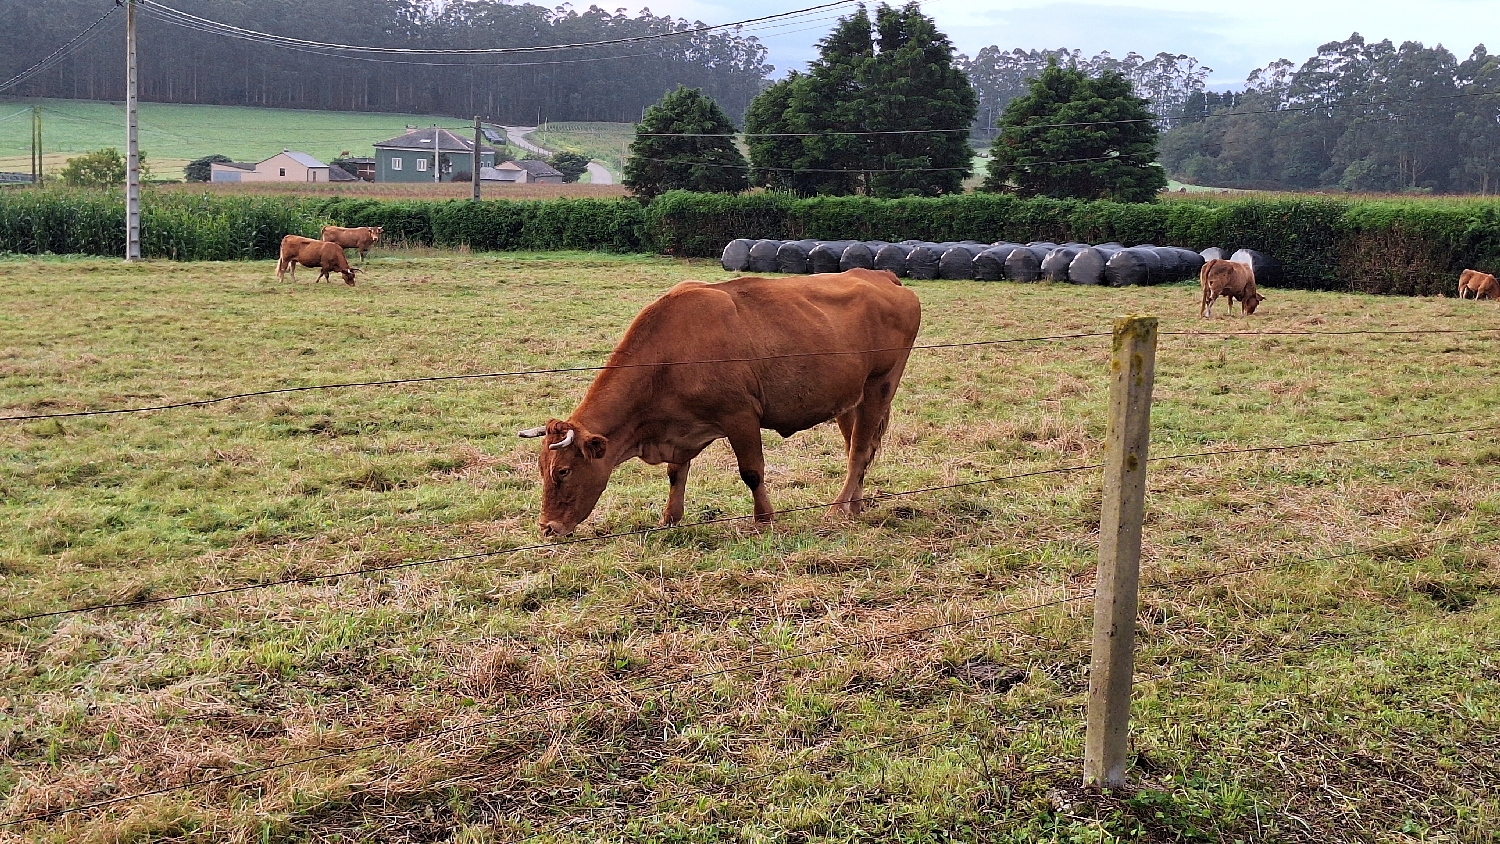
<point x="1132" y="367"/>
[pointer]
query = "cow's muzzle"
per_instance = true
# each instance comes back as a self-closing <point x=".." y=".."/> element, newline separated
<point x="555" y="530"/>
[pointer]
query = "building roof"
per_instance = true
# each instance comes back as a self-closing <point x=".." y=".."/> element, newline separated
<point x="422" y="139"/>
<point x="238" y="165"/>
<point x="339" y="174"/>
<point x="500" y="174"/>
<point x="301" y="158"/>
<point x="538" y="168"/>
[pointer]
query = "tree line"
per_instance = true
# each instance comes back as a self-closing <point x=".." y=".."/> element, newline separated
<point x="1357" y="116"/>
<point x="178" y="65"/>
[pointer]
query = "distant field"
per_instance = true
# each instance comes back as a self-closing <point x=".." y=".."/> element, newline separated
<point x="607" y="143"/>
<point x="172" y="135"/>
<point x="915" y="675"/>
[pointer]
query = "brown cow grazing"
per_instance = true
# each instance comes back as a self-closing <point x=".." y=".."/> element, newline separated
<point x="1232" y="281"/>
<point x="361" y="238"/>
<point x="1482" y="285"/>
<point x="779" y="353"/>
<point x="326" y="256"/>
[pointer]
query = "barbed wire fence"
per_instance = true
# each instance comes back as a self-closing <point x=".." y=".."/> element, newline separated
<point x="1112" y="646"/>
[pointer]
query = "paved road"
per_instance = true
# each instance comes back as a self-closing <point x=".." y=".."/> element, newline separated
<point x="517" y="134"/>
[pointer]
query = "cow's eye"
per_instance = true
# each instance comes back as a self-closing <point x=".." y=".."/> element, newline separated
<point x="563" y="473"/>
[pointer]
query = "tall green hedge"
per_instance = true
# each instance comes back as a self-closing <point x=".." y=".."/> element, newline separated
<point x="1388" y="246"/>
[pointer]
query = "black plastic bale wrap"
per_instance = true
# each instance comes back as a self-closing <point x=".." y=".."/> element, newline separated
<point x="1214" y="253"/>
<point x="1192" y="264"/>
<point x="892" y="256"/>
<point x="1022" y="264"/>
<point x="1087" y="266"/>
<point x="1267" y="269"/>
<point x="922" y="263"/>
<point x="861" y="255"/>
<point x="763" y="256"/>
<point x="792" y="257"/>
<point x="1171" y="264"/>
<point x="958" y="262"/>
<point x="1136" y="265"/>
<point x="1055" y="265"/>
<point x="737" y="255"/>
<point x="826" y="255"/>
<point x="989" y="265"/>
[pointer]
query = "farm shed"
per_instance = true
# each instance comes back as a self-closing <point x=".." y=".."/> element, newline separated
<point x="412" y="157"/>
<point x="285" y="166"/>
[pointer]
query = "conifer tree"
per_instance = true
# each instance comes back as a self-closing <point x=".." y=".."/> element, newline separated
<point x="670" y="153"/>
<point x="1077" y="137"/>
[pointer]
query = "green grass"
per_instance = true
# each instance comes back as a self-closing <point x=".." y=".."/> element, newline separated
<point x="1355" y="699"/>
<point x="173" y="134"/>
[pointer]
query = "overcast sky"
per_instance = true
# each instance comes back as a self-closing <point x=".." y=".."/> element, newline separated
<point x="1231" y="38"/>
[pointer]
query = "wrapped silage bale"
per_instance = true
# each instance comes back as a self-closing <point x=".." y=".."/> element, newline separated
<point x="1171" y="264"/>
<point x="1023" y="264"/>
<point x="1087" y="267"/>
<point x="792" y="257"/>
<point x="763" y="256"/>
<point x="861" y="255"/>
<point x="958" y="262"/>
<point x="1268" y="270"/>
<point x="1192" y="264"/>
<point x="826" y="255"/>
<point x="736" y="258"/>
<point x="922" y="263"/>
<point x="1055" y="265"/>
<point x="989" y="264"/>
<point x="1213" y="253"/>
<point x="1136" y="265"/>
<point x="892" y="256"/>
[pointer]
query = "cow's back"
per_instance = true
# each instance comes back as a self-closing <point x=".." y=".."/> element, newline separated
<point x="797" y="350"/>
<point x="1219" y="274"/>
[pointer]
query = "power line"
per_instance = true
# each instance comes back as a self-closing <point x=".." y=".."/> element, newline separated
<point x="527" y="372"/>
<point x="59" y="54"/>
<point x="265" y="37"/>
<point x="872" y="170"/>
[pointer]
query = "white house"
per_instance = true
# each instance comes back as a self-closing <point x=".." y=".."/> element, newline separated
<point x="522" y="172"/>
<point x="285" y="166"/>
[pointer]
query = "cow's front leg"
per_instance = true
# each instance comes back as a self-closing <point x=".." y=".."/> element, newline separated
<point x="745" y="440"/>
<point x="677" y="474"/>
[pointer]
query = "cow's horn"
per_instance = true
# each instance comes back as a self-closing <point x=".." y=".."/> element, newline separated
<point x="565" y="441"/>
<point x="533" y="433"/>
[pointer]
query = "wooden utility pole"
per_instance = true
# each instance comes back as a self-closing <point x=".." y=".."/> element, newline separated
<point x="1132" y="372"/>
<point x="476" y="158"/>
<point x="132" y="145"/>
<point x="437" y="154"/>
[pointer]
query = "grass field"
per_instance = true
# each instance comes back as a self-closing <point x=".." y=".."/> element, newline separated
<point x="173" y="134"/>
<point x="607" y="143"/>
<point x="1347" y="699"/>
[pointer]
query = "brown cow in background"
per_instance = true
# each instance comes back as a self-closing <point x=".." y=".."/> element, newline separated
<point x="1482" y="285"/>
<point x="1231" y="280"/>
<point x="361" y="238"/>
<point x="326" y="256"/>
<point x="778" y="353"/>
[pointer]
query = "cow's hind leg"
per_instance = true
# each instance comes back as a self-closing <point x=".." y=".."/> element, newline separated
<point x="870" y="419"/>
<point x="744" y="438"/>
<point x="677" y="475"/>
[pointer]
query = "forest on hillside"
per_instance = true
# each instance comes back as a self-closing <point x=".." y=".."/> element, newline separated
<point x="181" y="65"/>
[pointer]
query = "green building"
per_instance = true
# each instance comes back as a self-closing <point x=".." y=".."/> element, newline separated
<point x="420" y="153"/>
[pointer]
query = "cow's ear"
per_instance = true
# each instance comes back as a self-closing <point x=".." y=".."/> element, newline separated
<point x="593" y="445"/>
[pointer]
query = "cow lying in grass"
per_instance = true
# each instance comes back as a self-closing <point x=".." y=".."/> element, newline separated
<point x="361" y="238"/>
<point x="1229" y="279"/>
<point x="325" y="255"/>
<point x="707" y="361"/>
<point x="1482" y="285"/>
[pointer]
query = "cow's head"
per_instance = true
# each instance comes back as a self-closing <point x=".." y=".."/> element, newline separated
<point x="1250" y="303"/>
<point x="375" y="231"/>
<point x="574" y="474"/>
<point x="348" y="275"/>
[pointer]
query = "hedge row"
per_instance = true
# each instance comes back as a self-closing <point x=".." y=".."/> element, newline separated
<point x="1415" y="247"/>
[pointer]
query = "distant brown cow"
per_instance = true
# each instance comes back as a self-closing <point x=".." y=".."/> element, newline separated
<point x="325" y="255"/>
<point x="1232" y="281"/>
<point x="1482" y="285"/>
<point x="361" y="238"/>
